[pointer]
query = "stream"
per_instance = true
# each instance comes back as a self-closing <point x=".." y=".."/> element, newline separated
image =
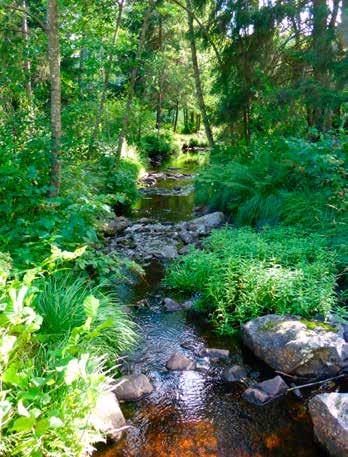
<point x="194" y="413"/>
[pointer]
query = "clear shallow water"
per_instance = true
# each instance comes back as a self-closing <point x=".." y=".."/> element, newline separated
<point x="193" y="413"/>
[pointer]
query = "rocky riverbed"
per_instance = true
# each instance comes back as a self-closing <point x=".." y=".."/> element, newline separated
<point x="185" y="391"/>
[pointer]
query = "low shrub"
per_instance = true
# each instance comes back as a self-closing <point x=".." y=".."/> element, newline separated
<point x="158" y="146"/>
<point x="241" y="274"/>
<point x="47" y="392"/>
<point x="256" y="184"/>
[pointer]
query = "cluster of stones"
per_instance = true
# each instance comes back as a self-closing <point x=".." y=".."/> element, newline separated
<point x="288" y="345"/>
<point x="145" y="239"/>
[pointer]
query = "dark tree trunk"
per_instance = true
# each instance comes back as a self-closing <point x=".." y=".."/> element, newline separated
<point x="321" y="60"/>
<point x="55" y="82"/>
<point x="246" y="123"/>
<point x="197" y="77"/>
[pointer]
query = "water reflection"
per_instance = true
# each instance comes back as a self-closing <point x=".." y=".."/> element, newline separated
<point x="193" y="413"/>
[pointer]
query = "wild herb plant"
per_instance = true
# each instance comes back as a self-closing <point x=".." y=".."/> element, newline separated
<point x="241" y="274"/>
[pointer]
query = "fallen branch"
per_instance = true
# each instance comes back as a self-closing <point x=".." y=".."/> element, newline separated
<point x="310" y="384"/>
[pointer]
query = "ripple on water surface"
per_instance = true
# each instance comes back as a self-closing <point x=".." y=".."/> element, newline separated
<point x="192" y="413"/>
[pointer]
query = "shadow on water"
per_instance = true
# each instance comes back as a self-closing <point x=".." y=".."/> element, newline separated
<point x="193" y="413"/>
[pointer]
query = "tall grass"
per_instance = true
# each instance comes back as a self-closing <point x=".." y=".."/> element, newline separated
<point x="60" y="303"/>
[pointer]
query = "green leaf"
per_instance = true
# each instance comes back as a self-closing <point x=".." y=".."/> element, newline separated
<point x="22" y="410"/>
<point x="91" y="306"/>
<point x="23" y="424"/>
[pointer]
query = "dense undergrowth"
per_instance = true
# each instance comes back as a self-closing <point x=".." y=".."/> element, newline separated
<point x="293" y="193"/>
<point x="241" y="274"/>
<point x="61" y="328"/>
<point x="56" y="339"/>
<point x="281" y="180"/>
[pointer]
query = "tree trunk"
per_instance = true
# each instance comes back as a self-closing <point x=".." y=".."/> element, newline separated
<point x="176" y="115"/>
<point x="27" y="63"/>
<point x="106" y="81"/>
<point x="160" y="80"/>
<point x="54" y="69"/>
<point x="132" y="82"/>
<point x="197" y="77"/>
<point x="246" y="123"/>
<point x="344" y="24"/>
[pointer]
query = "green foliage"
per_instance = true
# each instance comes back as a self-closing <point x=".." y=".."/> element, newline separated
<point x="47" y="391"/>
<point x="160" y="146"/>
<point x="241" y="274"/>
<point x="35" y="222"/>
<point x="61" y="301"/>
<point x="280" y="180"/>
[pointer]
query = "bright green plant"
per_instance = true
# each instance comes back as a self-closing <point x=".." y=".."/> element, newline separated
<point x="277" y="180"/>
<point x="60" y="304"/>
<point x="241" y="274"/>
<point x="47" y="392"/>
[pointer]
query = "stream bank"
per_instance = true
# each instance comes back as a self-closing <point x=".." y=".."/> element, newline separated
<point x="194" y="412"/>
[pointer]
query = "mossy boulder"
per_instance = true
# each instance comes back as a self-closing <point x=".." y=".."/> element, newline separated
<point x="294" y="346"/>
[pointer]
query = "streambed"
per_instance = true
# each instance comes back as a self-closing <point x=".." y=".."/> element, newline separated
<point x="194" y="413"/>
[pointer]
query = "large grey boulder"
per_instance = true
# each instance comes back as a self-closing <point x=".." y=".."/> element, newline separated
<point x="133" y="387"/>
<point x="118" y="225"/>
<point x="265" y="391"/>
<point x="108" y="417"/>
<point x="179" y="361"/>
<point x="208" y="222"/>
<point x="329" y="414"/>
<point x="295" y="346"/>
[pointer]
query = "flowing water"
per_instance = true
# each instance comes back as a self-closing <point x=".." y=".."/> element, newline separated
<point x="193" y="413"/>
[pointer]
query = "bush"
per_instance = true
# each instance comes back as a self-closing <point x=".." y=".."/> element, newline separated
<point x="47" y="392"/>
<point x="158" y="146"/>
<point x="241" y="274"/>
<point x="262" y="184"/>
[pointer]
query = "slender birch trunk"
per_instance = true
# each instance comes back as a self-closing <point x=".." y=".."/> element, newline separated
<point x="106" y="80"/>
<point x="197" y="76"/>
<point x="26" y="63"/>
<point x="54" y="68"/>
<point x="132" y="82"/>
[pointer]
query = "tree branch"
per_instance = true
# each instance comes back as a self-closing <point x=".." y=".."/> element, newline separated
<point x="202" y="28"/>
<point x="24" y="11"/>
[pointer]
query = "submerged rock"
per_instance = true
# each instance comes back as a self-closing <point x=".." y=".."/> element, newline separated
<point x="133" y="387"/>
<point x="295" y="346"/>
<point x="179" y="361"/>
<point x="329" y="414"/>
<point x="171" y="305"/>
<point x="214" y="353"/>
<point x="265" y="391"/>
<point x="108" y="416"/>
<point x="236" y="373"/>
